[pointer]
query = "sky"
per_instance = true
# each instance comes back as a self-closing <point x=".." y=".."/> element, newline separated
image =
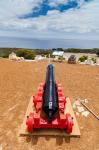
<point x="43" y="20"/>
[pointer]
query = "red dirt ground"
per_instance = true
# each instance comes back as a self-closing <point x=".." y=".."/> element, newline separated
<point x="19" y="80"/>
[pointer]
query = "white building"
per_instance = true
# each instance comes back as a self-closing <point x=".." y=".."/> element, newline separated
<point x="58" y="53"/>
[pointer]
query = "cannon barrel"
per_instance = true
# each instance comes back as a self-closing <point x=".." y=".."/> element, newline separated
<point x="50" y="96"/>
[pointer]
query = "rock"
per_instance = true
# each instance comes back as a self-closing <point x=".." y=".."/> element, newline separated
<point x="74" y="105"/>
<point x="85" y="113"/>
<point x="77" y="103"/>
<point x="0" y="147"/>
<point x="80" y="109"/>
<point x="86" y="101"/>
<point x="77" y="113"/>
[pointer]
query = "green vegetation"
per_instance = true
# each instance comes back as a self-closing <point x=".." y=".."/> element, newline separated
<point x="31" y="53"/>
<point x="83" y="58"/>
<point x="27" y="54"/>
<point x="49" y="55"/>
<point x="4" y="52"/>
<point x="75" y="50"/>
<point x="93" y="59"/>
<point x="57" y="49"/>
<point x="97" y="52"/>
<point x="78" y="50"/>
<point x="61" y="58"/>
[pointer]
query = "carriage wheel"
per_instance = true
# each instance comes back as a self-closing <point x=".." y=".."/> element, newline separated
<point x="29" y="123"/>
<point x="69" y="121"/>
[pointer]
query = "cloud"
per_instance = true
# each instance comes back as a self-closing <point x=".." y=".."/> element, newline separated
<point x="82" y="20"/>
<point x="14" y="8"/>
<point x="55" y="3"/>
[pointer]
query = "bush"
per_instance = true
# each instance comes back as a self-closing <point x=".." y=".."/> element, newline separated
<point x="61" y="58"/>
<point x="93" y="59"/>
<point x="27" y="54"/>
<point x="97" y="53"/>
<point x="83" y="58"/>
<point x="5" y="52"/>
<point x="49" y="54"/>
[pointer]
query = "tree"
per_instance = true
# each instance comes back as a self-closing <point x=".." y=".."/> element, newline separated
<point x="97" y="52"/>
<point x="27" y="54"/>
<point x="83" y="58"/>
<point x="59" y="49"/>
<point x="93" y="59"/>
<point x="54" y="49"/>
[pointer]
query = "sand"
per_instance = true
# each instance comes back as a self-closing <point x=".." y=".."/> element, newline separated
<point x="19" y="80"/>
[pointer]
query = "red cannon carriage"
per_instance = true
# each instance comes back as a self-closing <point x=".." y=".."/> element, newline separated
<point x="50" y="105"/>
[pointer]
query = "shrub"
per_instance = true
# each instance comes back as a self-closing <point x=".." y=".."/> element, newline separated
<point x="83" y="58"/>
<point x="5" y="52"/>
<point x="61" y="58"/>
<point x="93" y="59"/>
<point x="49" y="54"/>
<point x="27" y="54"/>
<point x="97" y="53"/>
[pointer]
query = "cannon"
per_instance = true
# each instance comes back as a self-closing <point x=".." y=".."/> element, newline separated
<point x="50" y="95"/>
<point x="49" y="106"/>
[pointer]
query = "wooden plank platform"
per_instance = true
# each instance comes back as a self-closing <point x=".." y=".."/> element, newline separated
<point x="50" y="132"/>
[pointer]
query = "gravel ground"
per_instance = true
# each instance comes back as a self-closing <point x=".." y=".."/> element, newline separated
<point x="19" y="80"/>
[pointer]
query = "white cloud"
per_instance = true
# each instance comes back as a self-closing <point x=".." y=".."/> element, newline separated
<point x="55" y="3"/>
<point x="79" y="20"/>
<point x="14" y="8"/>
<point x="84" y="20"/>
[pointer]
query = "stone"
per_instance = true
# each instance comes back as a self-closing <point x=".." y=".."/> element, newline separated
<point x="85" y="113"/>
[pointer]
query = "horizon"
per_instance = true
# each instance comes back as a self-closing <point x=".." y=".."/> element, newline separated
<point x="36" y="43"/>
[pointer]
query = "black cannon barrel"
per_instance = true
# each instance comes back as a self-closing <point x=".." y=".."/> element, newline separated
<point x="50" y="96"/>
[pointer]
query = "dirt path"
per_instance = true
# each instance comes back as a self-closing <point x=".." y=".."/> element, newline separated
<point x="19" y="80"/>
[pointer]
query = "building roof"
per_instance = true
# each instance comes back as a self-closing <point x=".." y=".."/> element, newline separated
<point x="58" y="53"/>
